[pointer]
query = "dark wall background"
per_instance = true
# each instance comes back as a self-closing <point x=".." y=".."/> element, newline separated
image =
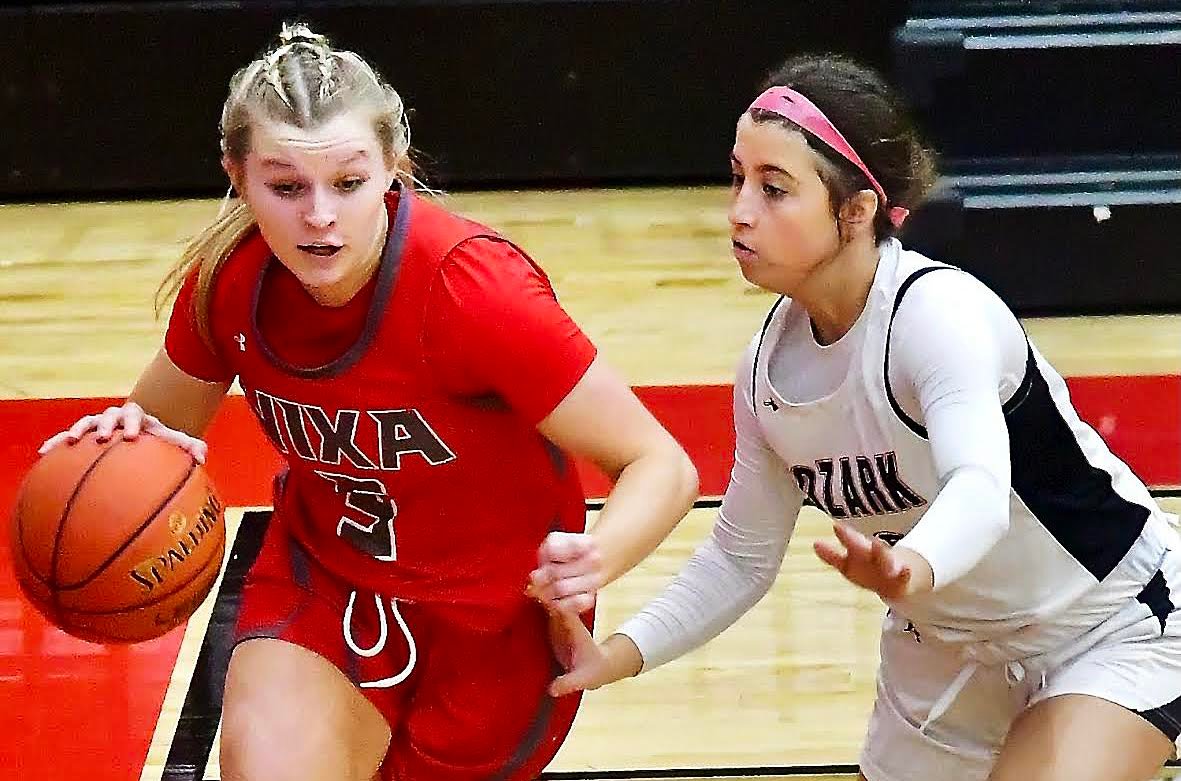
<point x="124" y="98"/>
<point x="121" y="100"/>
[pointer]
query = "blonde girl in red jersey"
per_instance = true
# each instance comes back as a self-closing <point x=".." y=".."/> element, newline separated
<point x="426" y="392"/>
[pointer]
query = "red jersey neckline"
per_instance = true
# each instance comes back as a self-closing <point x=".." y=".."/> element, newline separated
<point x="398" y="203"/>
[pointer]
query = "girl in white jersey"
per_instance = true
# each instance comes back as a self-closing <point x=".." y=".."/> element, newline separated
<point x="1031" y="580"/>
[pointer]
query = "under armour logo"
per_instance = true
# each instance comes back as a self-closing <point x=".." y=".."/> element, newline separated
<point x="241" y="340"/>
<point x="772" y="404"/>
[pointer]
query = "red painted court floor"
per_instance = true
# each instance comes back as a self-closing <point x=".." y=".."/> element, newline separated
<point x="74" y="711"/>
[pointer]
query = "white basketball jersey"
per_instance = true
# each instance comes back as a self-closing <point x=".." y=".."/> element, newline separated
<point x="1076" y="511"/>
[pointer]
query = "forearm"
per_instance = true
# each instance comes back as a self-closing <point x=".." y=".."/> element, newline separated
<point x="955" y="379"/>
<point x="176" y="399"/>
<point x="967" y="518"/>
<point x="624" y="659"/>
<point x="651" y="495"/>
<point x="712" y="591"/>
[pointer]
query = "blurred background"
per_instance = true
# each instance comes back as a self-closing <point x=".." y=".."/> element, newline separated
<point x="1037" y="106"/>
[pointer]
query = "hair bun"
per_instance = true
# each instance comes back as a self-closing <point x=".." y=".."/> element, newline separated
<point x="300" y="33"/>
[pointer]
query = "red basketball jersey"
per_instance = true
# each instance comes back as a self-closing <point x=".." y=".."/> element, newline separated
<point x="395" y="481"/>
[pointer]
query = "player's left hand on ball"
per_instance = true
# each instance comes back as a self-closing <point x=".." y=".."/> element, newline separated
<point x="867" y="562"/>
<point x="569" y="573"/>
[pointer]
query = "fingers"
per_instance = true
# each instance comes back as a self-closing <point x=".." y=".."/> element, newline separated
<point x="562" y="640"/>
<point x="832" y="554"/>
<point x="569" y="574"/>
<point x="197" y="448"/>
<point x="575" y="594"/>
<point x="884" y="559"/>
<point x="903" y="575"/>
<point x="851" y="546"/>
<point x="54" y="441"/>
<point x="132" y="419"/>
<point x="580" y="654"/>
<point x="103" y="425"/>
<point x="565" y="546"/>
<point x="107" y="422"/>
<point x="854" y="550"/>
<point x="574" y="605"/>
<point x="571" y="595"/>
<point x="587" y="567"/>
<point x="81" y="428"/>
<point x="70" y="435"/>
<point x="868" y="562"/>
<point x="571" y="630"/>
<point x="568" y="587"/>
<point x="859" y="546"/>
<point x="567" y="684"/>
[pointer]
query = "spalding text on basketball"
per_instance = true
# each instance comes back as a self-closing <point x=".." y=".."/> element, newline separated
<point x="155" y="571"/>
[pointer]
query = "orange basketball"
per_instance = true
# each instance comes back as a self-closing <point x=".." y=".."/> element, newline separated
<point x="117" y="541"/>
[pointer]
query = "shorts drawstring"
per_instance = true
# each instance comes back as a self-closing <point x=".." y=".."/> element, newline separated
<point x="377" y="647"/>
<point x="950" y="693"/>
<point x="1015" y="674"/>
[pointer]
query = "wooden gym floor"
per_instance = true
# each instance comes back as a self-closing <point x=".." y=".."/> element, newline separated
<point x="648" y="274"/>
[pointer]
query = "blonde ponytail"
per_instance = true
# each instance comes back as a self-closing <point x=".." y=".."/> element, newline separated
<point x="207" y="252"/>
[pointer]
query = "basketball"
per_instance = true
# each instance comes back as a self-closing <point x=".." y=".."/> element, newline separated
<point x="117" y="541"/>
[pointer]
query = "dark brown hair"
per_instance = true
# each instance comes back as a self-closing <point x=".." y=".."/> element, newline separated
<point x="873" y="119"/>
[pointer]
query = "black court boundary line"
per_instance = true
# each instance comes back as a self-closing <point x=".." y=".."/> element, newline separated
<point x="702" y="772"/>
<point x="597" y="504"/>
<point x="188" y="754"/>
<point x="196" y="728"/>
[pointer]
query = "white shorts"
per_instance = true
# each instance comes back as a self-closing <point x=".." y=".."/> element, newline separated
<point x="1137" y="664"/>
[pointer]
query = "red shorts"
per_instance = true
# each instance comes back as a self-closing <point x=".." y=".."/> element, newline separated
<point x="462" y="704"/>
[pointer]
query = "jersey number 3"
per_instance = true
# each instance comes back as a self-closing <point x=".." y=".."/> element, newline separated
<point x="373" y="531"/>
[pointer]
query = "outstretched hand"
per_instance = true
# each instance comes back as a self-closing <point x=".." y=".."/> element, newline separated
<point x="867" y="562"/>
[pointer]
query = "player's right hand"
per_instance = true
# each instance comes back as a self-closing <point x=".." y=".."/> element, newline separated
<point x="588" y="664"/>
<point x="133" y="421"/>
<point x="569" y="573"/>
<point x="873" y="565"/>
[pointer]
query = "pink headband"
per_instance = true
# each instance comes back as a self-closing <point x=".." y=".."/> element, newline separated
<point x="793" y="106"/>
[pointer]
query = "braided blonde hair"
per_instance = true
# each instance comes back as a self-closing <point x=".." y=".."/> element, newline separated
<point x="304" y="82"/>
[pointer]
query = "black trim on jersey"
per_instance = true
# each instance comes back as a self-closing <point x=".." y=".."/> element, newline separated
<point x="902" y="289"/>
<point x="1166" y="718"/>
<point x="919" y="430"/>
<point x="535" y="734"/>
<point x="300" y="569"/>
<point x="1155" y="596"/>
<point x="1022" y="392"/>
<point x="387" y="275"/>
<point x="1073" y="499"/>
<point x="754" y="369"/>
